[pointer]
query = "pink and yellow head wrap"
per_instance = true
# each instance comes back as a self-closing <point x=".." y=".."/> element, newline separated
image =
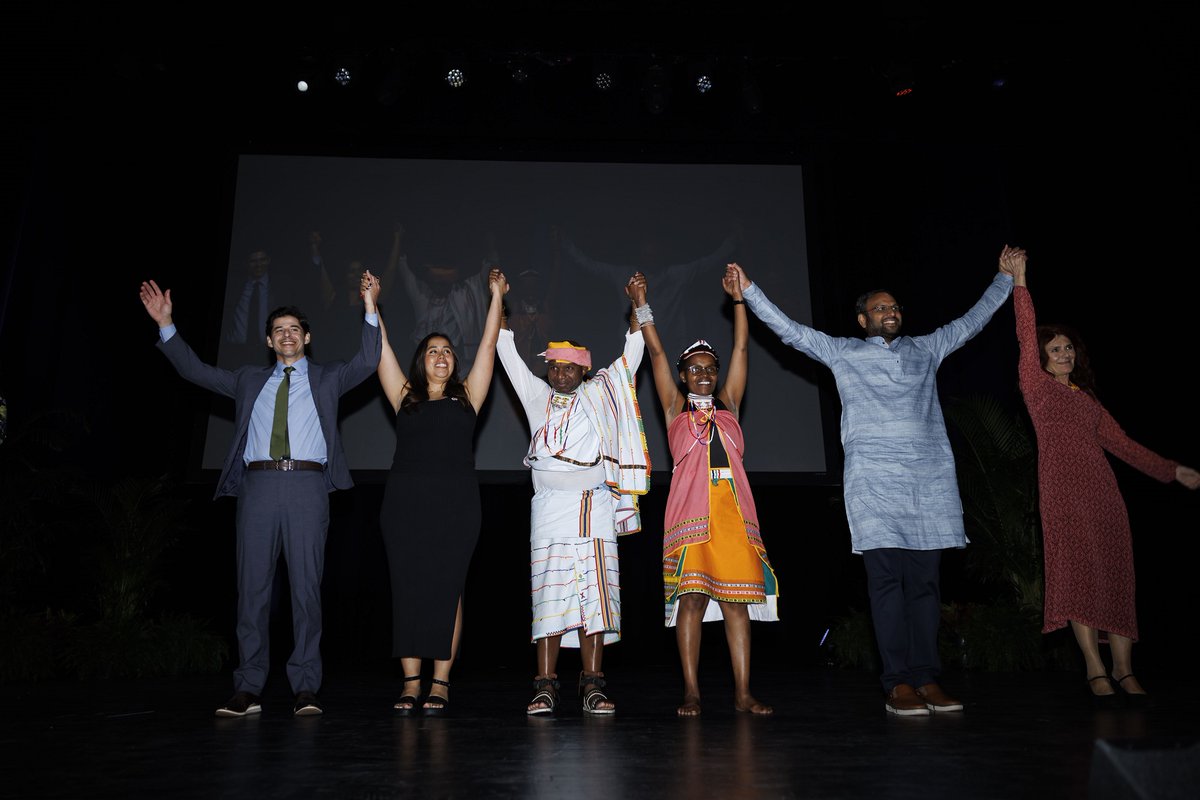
<point x="568" y="353"/>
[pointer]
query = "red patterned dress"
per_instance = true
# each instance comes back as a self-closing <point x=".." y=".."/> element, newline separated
<point x="1085" y="527"/>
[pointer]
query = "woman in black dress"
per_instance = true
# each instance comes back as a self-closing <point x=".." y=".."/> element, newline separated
<point x="431" y="512"/>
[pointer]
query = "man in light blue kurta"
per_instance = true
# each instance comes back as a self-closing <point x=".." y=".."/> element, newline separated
<point x="901" y="489"/>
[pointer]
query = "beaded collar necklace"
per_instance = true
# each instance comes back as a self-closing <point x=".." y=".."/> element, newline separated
<point x="701" y="413"/>
<point x="558" y="433"/>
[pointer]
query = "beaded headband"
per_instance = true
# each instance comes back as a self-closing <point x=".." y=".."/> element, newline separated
<point x="698" y="346"/>
<point x="565" y="352"/>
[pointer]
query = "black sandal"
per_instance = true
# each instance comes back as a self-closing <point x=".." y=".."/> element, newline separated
<point x="436" y="705"/>
<point x="409" y="710"/>
<point x="594" y="696"/>
<point x="1120" y="684"/>
<point x="547" y="694"/>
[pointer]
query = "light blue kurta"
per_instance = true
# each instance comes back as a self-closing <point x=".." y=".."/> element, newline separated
<point x="900" y="485"/>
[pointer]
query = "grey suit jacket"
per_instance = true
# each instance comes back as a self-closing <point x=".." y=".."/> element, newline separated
<point x="329" y="382"/>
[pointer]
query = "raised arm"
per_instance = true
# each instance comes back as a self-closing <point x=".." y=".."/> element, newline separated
<point x="737" y="276"/>
<point x="666" y="384"/>
<point x="391" y="375"/>
<point x="391" y="270"/>
<point x="185" y="361"/>
<point x="157" y="303"/>
<point x="954" y="334"/>
<point x="1030" y="374"/>
<point x="1012" y="262"/>
<point x="479" y="379"/>
<point x="733" y="387"/>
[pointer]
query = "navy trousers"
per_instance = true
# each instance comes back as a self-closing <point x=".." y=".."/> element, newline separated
<point x="277" y="512"/>
<point x="906" y="608"/>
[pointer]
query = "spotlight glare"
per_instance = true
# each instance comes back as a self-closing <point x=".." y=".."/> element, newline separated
<point x="342" y="76"/>
<point x="703" y="84"/>
<point x="301" y="86"/>
<point x="455" y="77"/>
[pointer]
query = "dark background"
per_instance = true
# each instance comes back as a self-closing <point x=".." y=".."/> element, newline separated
<point x="1065" y="132"/>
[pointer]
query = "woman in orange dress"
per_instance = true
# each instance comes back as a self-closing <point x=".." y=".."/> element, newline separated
<point x="715" y="565"/>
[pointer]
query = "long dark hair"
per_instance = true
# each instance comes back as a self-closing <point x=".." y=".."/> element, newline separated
<point x="418" y="382"/>
<point x="1081" y="374"/>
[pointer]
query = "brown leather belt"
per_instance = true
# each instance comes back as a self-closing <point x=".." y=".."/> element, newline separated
<point x="286" y="465"/>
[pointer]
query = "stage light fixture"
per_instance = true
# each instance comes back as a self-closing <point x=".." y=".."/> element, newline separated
<point x="342" y="76"/>
<point x="455" y="69"/>
<point x="604" y="74"/>
<point x="305" y="73"/>
<point x="702" y="77"/>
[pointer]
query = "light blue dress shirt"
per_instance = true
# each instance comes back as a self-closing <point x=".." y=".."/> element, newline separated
<point x="305" y="436"/>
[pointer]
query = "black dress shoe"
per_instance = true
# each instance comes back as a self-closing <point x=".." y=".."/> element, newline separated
<point x="307" y="705"/>
<point x="241" y="704"/>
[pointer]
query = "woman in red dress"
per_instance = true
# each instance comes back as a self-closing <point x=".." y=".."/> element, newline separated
<point x="1085" y="526"/>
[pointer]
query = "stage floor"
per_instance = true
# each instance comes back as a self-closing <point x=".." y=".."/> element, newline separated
<point x="1026" y="735"/>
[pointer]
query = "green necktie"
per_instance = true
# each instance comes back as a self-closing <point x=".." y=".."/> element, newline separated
<point x="279" y="428"/>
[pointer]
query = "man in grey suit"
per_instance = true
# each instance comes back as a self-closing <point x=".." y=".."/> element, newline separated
<point x="285" y="458"/>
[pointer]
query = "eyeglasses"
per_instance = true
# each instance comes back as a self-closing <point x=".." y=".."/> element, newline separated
<point x="895" y="308"/>
<point x="696" y="369"/>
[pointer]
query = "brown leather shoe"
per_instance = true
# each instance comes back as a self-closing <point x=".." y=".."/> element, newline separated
<point x="937" y="700"/>
<point x="903" y="700"/>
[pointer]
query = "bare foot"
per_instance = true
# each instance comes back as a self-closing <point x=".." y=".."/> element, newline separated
<point x="690" y="707"/>
<point x="752" y="706"/>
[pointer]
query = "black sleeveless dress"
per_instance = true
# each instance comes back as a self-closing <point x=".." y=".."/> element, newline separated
<point x="430" y="521"/>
